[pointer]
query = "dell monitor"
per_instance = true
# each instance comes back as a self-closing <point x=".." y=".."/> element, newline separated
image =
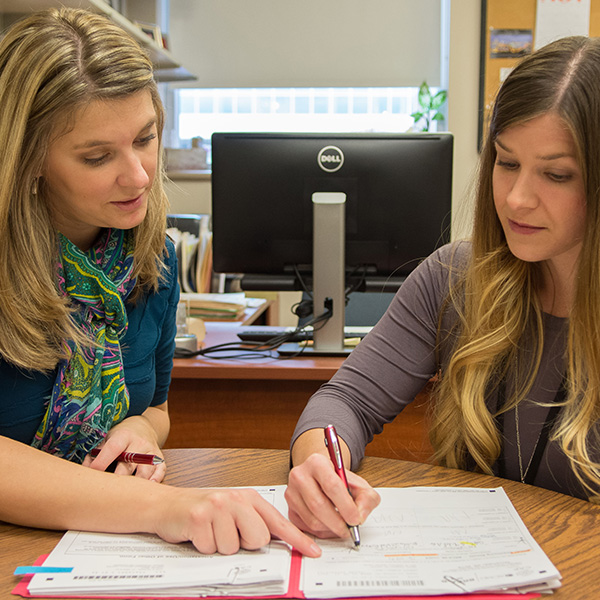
<point x="328" y="213"/>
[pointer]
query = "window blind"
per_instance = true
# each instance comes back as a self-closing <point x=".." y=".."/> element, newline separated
<point x="307" y="43"/>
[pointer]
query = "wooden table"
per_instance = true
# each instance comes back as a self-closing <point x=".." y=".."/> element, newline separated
<point x="256" y="403"/>
<point x="566" y="528"/>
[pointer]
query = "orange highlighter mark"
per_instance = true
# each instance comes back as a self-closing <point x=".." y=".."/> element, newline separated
<point x="394" y="555"/>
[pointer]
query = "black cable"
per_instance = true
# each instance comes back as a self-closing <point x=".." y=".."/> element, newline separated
<point x="356" y="286"/>
<point x="265" y="349"/>
<point x="302" y="283"/>
<point x="253" y="349"/>
<point x="304" y="308"/>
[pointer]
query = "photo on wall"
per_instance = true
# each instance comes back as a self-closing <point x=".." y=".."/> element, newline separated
<point x="510" y="43"/>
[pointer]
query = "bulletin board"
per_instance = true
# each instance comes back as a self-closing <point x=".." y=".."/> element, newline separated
<point x="514" y="21"/>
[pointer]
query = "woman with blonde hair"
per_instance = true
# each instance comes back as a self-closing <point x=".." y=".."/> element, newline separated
<point x="89" y="294"/>
<point x="508" y="321"/>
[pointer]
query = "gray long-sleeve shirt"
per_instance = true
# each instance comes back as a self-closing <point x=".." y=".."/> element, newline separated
<point x="393" y="363"/>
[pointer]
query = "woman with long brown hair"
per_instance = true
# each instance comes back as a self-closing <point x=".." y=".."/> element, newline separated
<point x="88" y="296"/>
<point x="507" y="321"/>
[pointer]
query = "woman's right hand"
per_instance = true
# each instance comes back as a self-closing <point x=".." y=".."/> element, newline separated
<point x="319" y="502"/>
<point x="40" y="490"/>
<point x="225" y="520"/>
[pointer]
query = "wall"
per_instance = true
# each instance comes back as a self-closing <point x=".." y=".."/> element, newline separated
<point x="463" y="105"/>
<point x="286" y="43"/>
<point x="189" y="194"/>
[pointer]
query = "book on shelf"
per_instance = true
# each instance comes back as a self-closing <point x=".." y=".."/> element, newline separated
<point x="419" y="542"/>
<point x="192" y="237"/>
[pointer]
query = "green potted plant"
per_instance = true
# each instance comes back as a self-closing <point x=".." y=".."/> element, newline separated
<point x="430" y="106"/>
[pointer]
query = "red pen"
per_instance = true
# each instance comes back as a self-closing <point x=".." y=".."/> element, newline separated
<point x="134" y="457"/>
<point x="335" y="454"/>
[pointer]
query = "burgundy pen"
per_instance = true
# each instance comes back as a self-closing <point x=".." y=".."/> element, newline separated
<point x="134" y="457"/>
<point x="335" y="454"/>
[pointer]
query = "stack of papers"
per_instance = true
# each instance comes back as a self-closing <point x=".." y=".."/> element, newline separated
<point x="215" y="307"/>
<point x="129" y="565"/>
<point x="417" y="542"/>
<point x="422" y="541"/>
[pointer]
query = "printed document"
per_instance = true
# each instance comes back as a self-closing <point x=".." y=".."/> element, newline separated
<point x="418" y="541"/>
<point x="144" y="563"/>
<point x="433" y="541"/>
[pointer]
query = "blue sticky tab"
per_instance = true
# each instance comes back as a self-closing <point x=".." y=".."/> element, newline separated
<point x="34" y="570"/>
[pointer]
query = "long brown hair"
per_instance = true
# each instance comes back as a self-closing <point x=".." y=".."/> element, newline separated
<point x="496" y="299"/>
<point x="51" y="64"/>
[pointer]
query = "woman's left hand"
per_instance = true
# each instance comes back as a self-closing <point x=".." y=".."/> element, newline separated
<point x="134" y="434"/>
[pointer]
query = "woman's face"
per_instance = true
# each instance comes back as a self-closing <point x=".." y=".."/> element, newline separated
<point x="539" y="193"/>
<point x="98" y="174"/>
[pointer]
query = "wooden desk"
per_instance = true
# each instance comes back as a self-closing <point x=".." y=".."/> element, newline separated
<point x="256" y="403"/>
<point x="566" y="528"/>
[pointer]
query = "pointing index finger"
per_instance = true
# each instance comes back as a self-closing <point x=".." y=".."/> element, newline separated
<point x="283" y="529"/>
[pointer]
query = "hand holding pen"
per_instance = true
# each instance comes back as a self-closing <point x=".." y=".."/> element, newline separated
<point x="335" y="454"/>
<point x="317" y="497"/>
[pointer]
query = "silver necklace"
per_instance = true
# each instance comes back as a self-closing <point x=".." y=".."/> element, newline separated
<point x="522" y="473"/>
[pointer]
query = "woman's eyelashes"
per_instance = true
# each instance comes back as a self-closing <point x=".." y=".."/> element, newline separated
<point x="555" y="176"/>
<point x="95" y="161"/>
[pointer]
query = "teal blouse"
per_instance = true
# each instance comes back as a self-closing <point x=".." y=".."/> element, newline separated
<point x="147" y="349"/>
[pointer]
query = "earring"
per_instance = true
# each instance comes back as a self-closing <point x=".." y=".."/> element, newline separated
<point x="34" y="187"/>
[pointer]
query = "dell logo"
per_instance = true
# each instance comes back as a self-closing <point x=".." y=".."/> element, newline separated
<point x="330" y="159"/>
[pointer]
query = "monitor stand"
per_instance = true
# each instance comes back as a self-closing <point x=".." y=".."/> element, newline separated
<point x="329" y="277"/>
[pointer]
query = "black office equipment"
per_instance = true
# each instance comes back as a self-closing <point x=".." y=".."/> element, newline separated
<point x="264" y="333"/>
<point x="380" y="203"/>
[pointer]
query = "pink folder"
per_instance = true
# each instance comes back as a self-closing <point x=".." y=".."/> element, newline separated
<point x="294" y="591"/>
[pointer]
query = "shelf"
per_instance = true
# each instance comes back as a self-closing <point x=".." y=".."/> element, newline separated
<point x="173" y="74"/>
<point x="166" y="66"/>
<point x="203" y="175"/>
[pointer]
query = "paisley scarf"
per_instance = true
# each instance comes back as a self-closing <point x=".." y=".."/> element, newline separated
<point x="89" y="395"/>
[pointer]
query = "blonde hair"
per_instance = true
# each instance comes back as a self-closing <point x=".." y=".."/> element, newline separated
<point x="51" y="64"/>
<point x="496" y="297"/>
